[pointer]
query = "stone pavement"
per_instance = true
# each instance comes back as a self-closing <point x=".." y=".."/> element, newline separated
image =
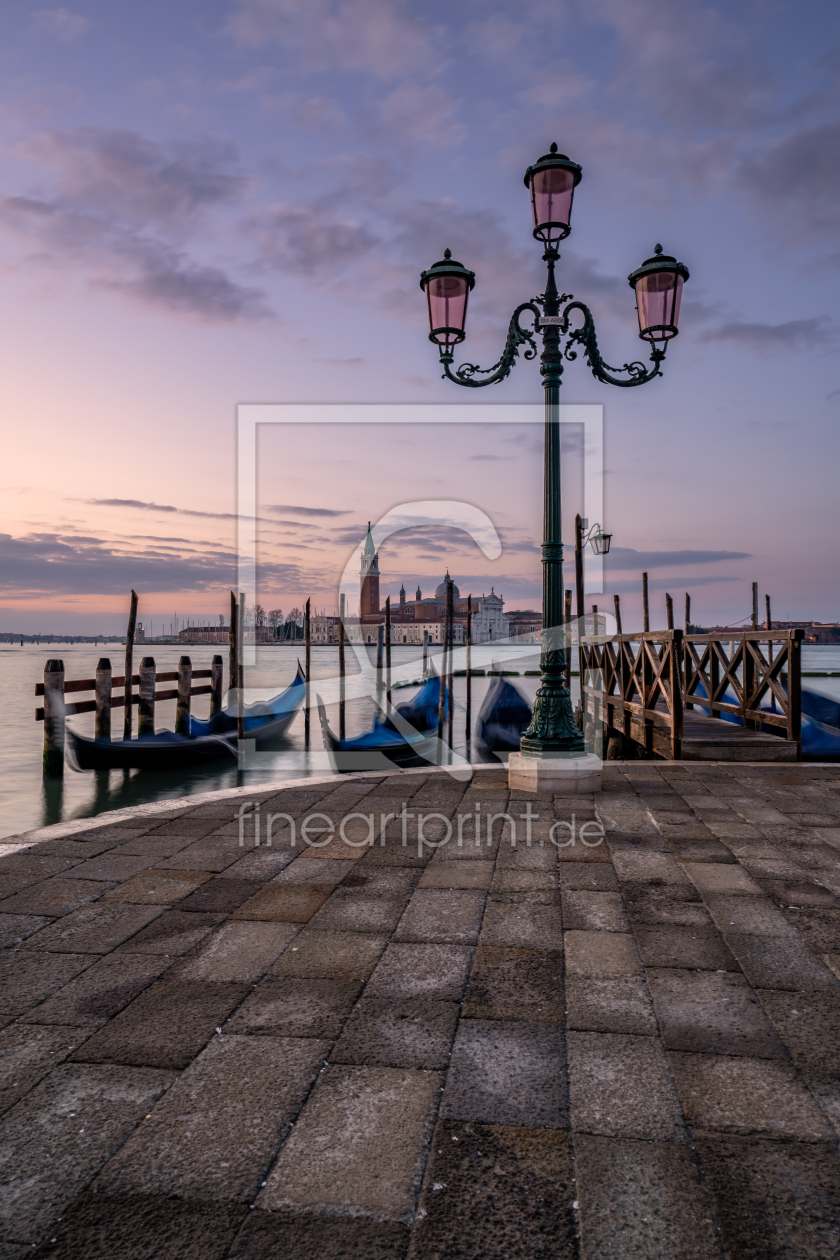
<point x="620" y="1039"/>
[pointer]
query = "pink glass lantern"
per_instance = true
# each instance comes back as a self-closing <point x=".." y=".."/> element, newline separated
<point x="447" y="285"/>
<point x="551" y="182"/>
<point x="658" y="284"/>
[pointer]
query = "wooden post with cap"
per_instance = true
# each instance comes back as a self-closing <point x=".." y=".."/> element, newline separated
<point x="341" y="668"/>
<point x="54" y="719"/>
<point x="129" y="664"/>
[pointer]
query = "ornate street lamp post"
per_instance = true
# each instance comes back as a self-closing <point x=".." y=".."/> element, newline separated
<point x="658" y="285"/>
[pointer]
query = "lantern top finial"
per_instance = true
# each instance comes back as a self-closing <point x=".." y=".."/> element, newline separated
<point x="657" y="249"/>
<point x="447" y="253"/>
<point x="553" y="148"/>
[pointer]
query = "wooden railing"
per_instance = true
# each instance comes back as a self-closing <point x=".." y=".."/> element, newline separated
<point x="55" y="709"/>
<point x="640" y="684"/>
<point x="711" y="673"/>
<point x="632" y="683"/>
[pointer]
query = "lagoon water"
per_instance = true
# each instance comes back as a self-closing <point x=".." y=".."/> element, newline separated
<point x="26" y="801"/>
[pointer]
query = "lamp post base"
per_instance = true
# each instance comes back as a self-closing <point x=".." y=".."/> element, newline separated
<point x="567" y="776"/>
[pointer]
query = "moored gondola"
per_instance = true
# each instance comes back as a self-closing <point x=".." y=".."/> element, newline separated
<point x="504" y="715"/>
<point x="407" y="739"/>
<point x="266" y="722"/>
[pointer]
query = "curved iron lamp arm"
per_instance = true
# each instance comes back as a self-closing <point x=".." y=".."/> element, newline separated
<point x="637" y="372"/>
<point x="516" y="337"/>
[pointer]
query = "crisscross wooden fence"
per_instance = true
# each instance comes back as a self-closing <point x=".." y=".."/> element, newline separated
<point x="632" y="683"/>
<point x="639" y="685"/>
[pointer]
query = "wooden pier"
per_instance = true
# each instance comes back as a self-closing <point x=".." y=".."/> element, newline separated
<point x="665" y="692"/>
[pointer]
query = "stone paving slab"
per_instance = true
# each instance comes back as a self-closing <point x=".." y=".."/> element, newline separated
<point x="57" y="1138"/>
<point x="217" y="1131"/>
<point x="397" y="1045"/>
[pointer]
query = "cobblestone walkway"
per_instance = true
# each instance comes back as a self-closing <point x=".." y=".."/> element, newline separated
<point x="597" y="1045"/>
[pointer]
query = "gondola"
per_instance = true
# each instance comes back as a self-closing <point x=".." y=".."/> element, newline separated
<point x="820" y="723"/>
<point x="266" y="722"/>
<point x="504" y="715"/>
<point x="385" y="745"/>
<point x="162" y="751"/>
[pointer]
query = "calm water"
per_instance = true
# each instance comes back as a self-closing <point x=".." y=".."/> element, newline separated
<point x="26" y="801"/>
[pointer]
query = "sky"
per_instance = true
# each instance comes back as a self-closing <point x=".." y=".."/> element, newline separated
<point x="230" y="201"/>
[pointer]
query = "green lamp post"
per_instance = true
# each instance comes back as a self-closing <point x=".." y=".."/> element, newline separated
<point x="658" y="285"/>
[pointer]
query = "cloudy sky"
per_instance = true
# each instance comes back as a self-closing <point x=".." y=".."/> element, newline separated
<point x="228" y="201"/>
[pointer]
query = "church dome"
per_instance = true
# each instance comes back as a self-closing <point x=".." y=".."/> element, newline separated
<point x="440" y="592"/>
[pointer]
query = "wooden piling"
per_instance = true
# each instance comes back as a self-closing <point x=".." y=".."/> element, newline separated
<point x="617" y="601"/>
<point x="216" y="680"/>
<point x="379" y="639"/>
<point x="129" y="664"/>
<point x="341" y="670"/>
<point x="102" y="697"/>
<point x="450" y="676"/>
<point x="182" y="701"/>
<point x="594" y="619"/>
<point x="567" y="634"/>
<point x="687" y="613"/>
<point x="755" y="605"/>
<point x="669" y="610"/>
<point x="468" y="716"/>
<point x="54" y="719"/>
<point x="645" y="604"/>
<point x="767" y="609"/>
<point x="146" y="702"/>
<point x="388" y="650"/>
<point x="307" y="634"/>
<point x="425" y="653"/>
<point x="240" y="671"/>
<point x="442" y="693"/>
<point x="233" y="655"/>
<point x="581" y="616"/>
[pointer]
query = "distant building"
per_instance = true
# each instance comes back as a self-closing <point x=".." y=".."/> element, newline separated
<point x="205" y="634"/>
<point x="410" y="617"/>
<point x="525" y="625"/>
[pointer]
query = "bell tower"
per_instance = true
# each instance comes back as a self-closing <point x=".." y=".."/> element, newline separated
<point x="369" y="579"/>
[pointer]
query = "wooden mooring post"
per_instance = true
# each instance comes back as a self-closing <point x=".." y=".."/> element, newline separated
<point x="450" y="674"/>
<point x="425" y="653"/>
<point x="240" y="671"/>
<point x="468" y="715"/>
<point x="182" y="702"/>
<point x="146" y="701"/>
<point x="102" y="696"/>
<point x="669" y="611"/>
<point x="307" y="634"/>
<point x="129" y="664"/>
<point x="341" y="669"/>
<point x="233" y="655"/>
<point x="379" y="645"/>
<point x="755" y="605"/>
<point x="54" y="719"/>
<point x="388" y="650"/>
<point x="645" y="603"/>
<point x="567" y="636"/>
<point x="216" y="680"/>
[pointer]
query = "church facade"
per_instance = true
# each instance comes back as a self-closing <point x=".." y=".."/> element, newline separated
<point x="410" y="617"/>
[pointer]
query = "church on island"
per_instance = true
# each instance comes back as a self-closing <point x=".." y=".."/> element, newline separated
<point x="416" y="620"/>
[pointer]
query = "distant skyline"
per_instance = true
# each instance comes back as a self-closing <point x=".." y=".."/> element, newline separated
<point x="230" y="201"/>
